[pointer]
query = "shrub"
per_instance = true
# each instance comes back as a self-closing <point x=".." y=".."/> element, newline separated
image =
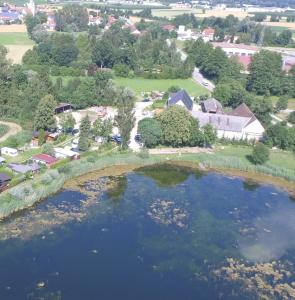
<point x="260" y="154"/>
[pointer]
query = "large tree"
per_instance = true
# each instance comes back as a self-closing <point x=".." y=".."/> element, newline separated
<point x="44" y="115"/>
<point x="125" y="117"/>
<point x="176" y="123"/>
<point x="265" y="73"/>
<point x="85" y="128"/>
<point x="150" y="131"/>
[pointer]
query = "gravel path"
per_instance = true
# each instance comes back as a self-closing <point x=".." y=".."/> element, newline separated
<point x="13" y="129"/>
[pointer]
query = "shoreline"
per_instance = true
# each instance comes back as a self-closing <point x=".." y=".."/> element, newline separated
<point x="18" y="198"/>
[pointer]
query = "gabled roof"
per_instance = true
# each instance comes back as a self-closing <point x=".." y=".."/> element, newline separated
<point x="222" y="122"/>
<point x="183" y="96"/>
<point x="48" y="159"/>
<point x="243" y="111"/>
<point x="211" y="105"/>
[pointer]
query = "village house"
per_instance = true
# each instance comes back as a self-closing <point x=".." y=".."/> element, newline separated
<point x="237" y="49"/>
<point x="24" y="169"/>
<point x="239" y="124"/>
<point x="208" y="34"/>
<point x="44" y="159"/>
<point x="180" y="98"/>
<point x="4" y="181"/>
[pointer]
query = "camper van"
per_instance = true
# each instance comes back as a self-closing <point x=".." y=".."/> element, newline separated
<point x="9" y="151"/>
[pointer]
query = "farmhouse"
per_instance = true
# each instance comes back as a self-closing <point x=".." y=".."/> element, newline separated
<point x="240" y="123"/>
<point x="180" y="98"/>
<point x="4" y="181"/>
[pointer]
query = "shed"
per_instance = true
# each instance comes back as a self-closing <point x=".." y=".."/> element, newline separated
<point x="23" y="169"/>
<point x="44" y="159"/>
<point x="62" y="107"/>
<point x="66" y="153"/>
<point x="4" y="181"/>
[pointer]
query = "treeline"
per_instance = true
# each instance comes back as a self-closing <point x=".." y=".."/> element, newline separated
<point x="147" y="55"/>
<point x="263" y="3"/>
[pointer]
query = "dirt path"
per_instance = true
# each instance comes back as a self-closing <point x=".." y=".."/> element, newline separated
<point x="13" y="129"/>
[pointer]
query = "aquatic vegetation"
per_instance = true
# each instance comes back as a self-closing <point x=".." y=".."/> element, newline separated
<point x="273" y="280"/>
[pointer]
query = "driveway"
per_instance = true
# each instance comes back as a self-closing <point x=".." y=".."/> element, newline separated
<point x="13" y="129"/>
<point x="199" y="78"/>
<point x="138" y="114"/>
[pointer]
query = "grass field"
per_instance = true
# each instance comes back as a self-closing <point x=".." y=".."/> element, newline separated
<point x="139" y="85"/>
<point x="3" y="129"/>
<point x="278" y="158"/>
<point x="291" y="102"/>
<point x="15" y="38"/>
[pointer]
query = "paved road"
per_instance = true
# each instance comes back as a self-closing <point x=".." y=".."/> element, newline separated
<point x="13" y="129"/>
<point x="197" y="76"/>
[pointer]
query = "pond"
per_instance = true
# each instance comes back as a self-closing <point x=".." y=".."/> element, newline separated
<point x="160" y="232"/>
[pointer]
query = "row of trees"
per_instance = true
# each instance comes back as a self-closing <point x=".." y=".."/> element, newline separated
<point x="175" y="127"/>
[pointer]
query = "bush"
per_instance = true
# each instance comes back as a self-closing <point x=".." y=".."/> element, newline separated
<point x="260" y="154"/>
<point x="150" y="131"/>
<point x="291" y="117"/>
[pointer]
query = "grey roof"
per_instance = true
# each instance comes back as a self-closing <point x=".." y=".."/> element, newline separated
<point x="211" y="105"/>
<point x="20" y="168"/>
<point x="222" y="122"/>
<point x="183" y="96"/>
<point x="4" y="177"/>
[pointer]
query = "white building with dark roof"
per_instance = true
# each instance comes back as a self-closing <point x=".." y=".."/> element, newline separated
<point x="239" y="124"/>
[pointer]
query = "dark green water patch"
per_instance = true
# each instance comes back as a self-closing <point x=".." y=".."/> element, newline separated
<point x="161" y="232"/>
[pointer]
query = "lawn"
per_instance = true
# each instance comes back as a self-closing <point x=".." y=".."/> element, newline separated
<point x="278" y="158"/>
<point x="15" y="38"/>
<point x="139" y="85"/>
<point x="291" y="102"/>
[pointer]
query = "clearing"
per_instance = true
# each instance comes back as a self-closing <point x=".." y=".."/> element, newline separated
<point x="139" y="85"/>
<point x="17" y="43"/>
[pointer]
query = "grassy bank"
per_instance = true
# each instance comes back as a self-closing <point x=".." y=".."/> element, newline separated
<point x="30" y="192"/>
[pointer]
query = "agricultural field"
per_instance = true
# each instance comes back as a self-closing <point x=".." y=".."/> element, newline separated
<point x="17" y="42"/>
<point x="139" y="85"/>
<point x="171" y="13"/>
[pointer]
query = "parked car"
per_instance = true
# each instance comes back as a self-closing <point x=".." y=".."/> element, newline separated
<point x="75" y="132"/>
<point x="138" y="138"/>
<point x="146" y="100"/>
<point x="116" y="138"/>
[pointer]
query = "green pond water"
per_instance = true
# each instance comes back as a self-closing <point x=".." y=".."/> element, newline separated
<point x="160" y="232"/>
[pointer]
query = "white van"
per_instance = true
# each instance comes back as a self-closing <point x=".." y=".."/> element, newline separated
<point x="9" y="151"/>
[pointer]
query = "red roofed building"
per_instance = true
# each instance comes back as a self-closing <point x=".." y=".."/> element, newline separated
<point x="168" y="27"/>
<point x="208" y="34"/>
<point x="44" y="159"/>
<point x="245" y="61"/>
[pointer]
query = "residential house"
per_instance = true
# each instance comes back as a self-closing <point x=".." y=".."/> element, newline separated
<point x="9" y="151"/>
<point x="168" y="27"/>
<point x="4" y="181"/>
<point x="186" y="34"/>
<point x="180" y="98"/>
<point x="24" y="169"/>
<point x="240" y="123"/>
<point x="212" y="106"/>
<point x="44" y="159"/>
<point x="208" y="34"/>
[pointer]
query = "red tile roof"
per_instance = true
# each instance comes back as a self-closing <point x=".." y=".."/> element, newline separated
<point x="48" y="159"/>
<point x="244" y="60"/>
